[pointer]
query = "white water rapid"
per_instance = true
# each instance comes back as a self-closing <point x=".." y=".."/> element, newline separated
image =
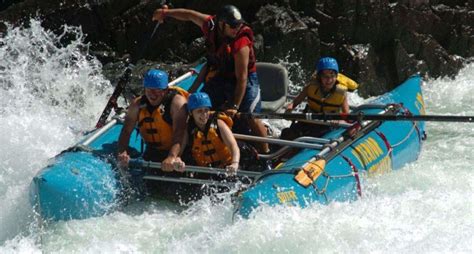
<point x="50" y="94"/>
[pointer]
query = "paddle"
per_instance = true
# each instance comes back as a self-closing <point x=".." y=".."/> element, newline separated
<point x="124" y="79"/>
<point x="229" y="185"/>
<point x="361" y="117"/>
<point x="195" y="169"/>
<point x="112" y="103"/>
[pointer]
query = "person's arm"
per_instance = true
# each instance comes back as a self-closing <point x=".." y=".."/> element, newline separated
<point x="345" y="105"/>
<point x="179" y="164"/>
<point x="229" y="141"/>
<point x="298" y="99"/>
<point x="199" y="79"/>
<point x="184" y="143"/>
<point x="241" y="59"/>
<point x="180" y="14"/>
<point x="179" y="116"/>
<point x="127" y="129"/>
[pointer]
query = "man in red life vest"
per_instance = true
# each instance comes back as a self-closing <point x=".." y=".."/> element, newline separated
<point x="229" y="75"/>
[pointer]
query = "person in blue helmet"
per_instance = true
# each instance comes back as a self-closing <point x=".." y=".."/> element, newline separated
<point x="211" y="141"/>
<point x="230" y="73"/>
<point x="160" y="116"/>
<point x="326" y="92"/>
<point x="209" y="135"/>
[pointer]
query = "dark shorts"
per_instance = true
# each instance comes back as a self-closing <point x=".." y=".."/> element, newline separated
<point x="300" y="129"/>
<point x="221" y="92"/>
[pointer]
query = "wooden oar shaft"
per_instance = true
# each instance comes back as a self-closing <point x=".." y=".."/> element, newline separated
<point x="362" y="117"/>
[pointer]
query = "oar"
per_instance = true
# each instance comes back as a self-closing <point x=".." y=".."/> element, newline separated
<point x="194" y="169"/>
<point x="188" y="180"/>
<point x="362" y="117"/>
<point x="123" y="81"/>
<point x="326" y="123"/>
<point x="154" y="30"/>
<point x="112" y="103"/>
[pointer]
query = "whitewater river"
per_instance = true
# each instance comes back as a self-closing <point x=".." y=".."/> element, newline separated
<point x="50" y="95"/>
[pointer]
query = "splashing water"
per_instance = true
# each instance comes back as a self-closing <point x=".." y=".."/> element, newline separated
<point x="49" y="92"/>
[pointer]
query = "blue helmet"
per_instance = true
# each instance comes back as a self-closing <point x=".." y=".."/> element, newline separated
<point x="155" y="79"/>
<point x="198" y="100"/>
<point x="327" y="63"/>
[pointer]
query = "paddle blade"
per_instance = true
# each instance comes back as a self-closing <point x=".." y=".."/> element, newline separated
<point x="310" y="172"/>
<point x="112" y="103"/>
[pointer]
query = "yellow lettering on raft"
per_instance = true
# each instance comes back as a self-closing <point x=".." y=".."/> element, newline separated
<point x="367" y="151"/>
<point x="375" y="147"/>
<point x="363" y="154"/>
<point x="287" y="196"/>
<point x="381" y="167"/>
<point x="420" y="104"/>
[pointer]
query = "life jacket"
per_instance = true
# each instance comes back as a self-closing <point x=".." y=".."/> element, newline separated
<point x="342" y="80"/>
<point x="220" y="57"/>
<point x="329" y="103"/>
<point x="155" y="122"/>
<point x="350" y="84"/>
<point x="208" y="148"/>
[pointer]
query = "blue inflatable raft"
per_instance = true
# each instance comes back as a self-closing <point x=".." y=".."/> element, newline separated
<point x="83" y="182"/>
<point x="379" y="147"/>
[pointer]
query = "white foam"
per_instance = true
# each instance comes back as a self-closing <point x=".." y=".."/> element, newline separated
<point x="425" y="207"/>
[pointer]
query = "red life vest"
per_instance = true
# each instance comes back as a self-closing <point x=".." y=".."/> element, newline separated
<point x="220" y="50"/>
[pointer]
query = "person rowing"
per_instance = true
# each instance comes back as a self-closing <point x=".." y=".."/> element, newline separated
<point x="326" y="92"/>
<point x="211" y="140"/>
<point x="160" y="116"/>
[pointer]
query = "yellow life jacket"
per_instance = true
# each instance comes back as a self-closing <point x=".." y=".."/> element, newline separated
<point x="208" y="148"/>
<point x="328" y="103"/>
<point x="342" y="80"/>
<point x="350" y="84"/>
<point x="155" y="123"/>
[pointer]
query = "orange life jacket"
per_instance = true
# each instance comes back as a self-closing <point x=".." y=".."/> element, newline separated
<point x="155" y="123"/>
<point x="208" y="148"/>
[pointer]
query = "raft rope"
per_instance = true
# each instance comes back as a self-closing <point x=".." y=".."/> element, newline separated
<point x="385" y="140"/>
<point x="328" y="177"/>
<point x="322" y="191"/>
<point x="387" y="145"/>
<point x="355" y="173"/>
<point x="408" y="112"/>
<point x="405" y="138"/>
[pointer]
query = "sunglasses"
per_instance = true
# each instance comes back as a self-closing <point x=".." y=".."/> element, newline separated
<point x="234" y="26"/>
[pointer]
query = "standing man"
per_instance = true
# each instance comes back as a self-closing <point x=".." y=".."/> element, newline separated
<point x="160" y="116"/>
<point x="230" y="74"/>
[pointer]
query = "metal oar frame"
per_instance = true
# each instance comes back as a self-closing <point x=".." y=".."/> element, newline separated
<point x="330" y="149"/>
<point x="241" y="177"/>
<point x="334" y="147"/>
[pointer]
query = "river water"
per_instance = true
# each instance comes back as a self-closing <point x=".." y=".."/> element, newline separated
<point x="51" y="94"/>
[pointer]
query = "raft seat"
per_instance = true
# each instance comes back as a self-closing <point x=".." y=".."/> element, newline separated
<point x="273" y="79"/>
